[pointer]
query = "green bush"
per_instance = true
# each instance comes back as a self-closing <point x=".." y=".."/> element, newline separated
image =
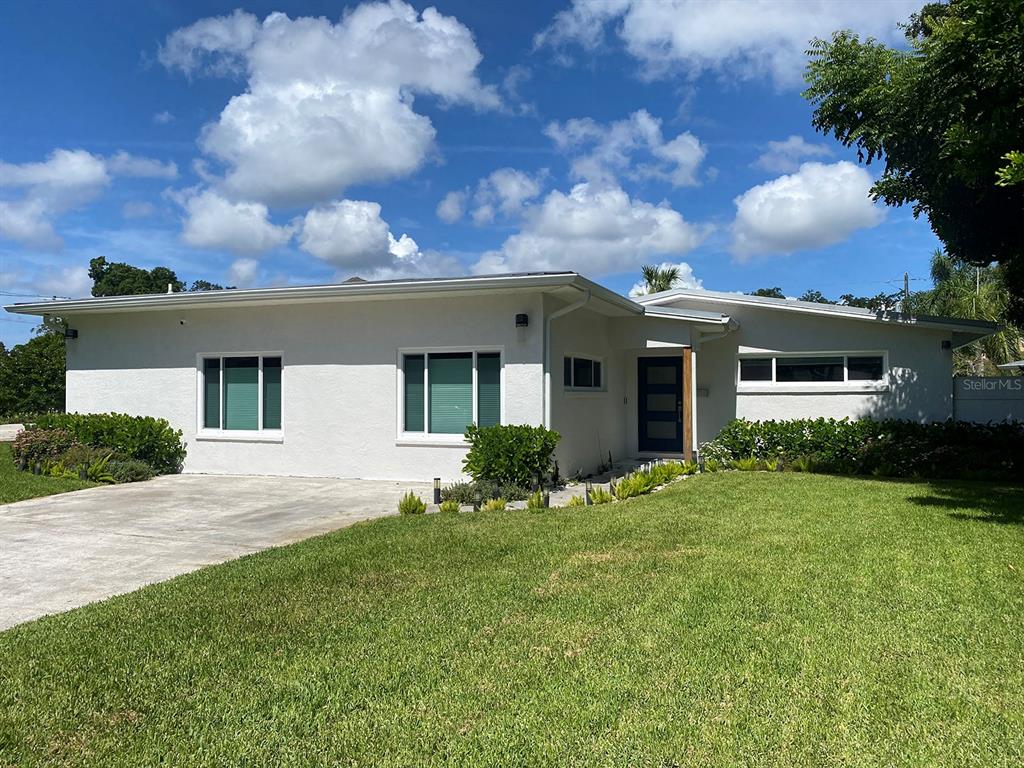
<point x="889" y="448"/>
<point x="411" y="504"/>
<point x="599" y="495"/>
<point x="510" y="454"/>
<point x="135" y="437"/>
<point x="465" y="493"/>
<point x="495" y="505"/>
<point x="746" y="464"/>
<point x="576" y="501"/>
<point x="449" y="506"/>
<point x="535" y="500"/>
<point x="130" y="470"/>
<point x="636" y="484"/>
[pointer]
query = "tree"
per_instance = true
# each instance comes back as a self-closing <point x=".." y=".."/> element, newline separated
<point x="32" y="375"/>
<point x="881" y="302"/>
<point x="816" y="297"/>
<point x="206" y="285"/>
<point x="659" y="279"/>
<point x="120" y="279"/>
<point x="946" y="117"/>
<point x="768" y="293"/>
<point x="975" y="293"/>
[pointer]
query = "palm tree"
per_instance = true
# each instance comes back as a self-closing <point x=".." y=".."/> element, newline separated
<point x="975" y="293"/>
<point x="659" y="279"/>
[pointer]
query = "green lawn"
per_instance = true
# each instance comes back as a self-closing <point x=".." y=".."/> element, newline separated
<point x="16" y="486"/>
<point x="735" y="619"/>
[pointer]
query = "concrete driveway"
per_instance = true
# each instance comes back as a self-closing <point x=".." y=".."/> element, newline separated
<point x="64" y="551"/>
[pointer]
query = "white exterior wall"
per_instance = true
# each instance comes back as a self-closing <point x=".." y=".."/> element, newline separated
<point x="919" y="381"/>
<point x="340" y="397"/>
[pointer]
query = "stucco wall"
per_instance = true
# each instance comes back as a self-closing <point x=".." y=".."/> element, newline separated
<point x="339" y="384"/>
<point x="919" y="378"/>
<point x="984" y="399"/>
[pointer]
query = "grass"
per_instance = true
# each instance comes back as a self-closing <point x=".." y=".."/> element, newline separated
<point x="755" y="619"/>
<point x="17" y="486"/>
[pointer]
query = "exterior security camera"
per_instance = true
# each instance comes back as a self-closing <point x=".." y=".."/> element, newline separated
<point x="182" y="321"/>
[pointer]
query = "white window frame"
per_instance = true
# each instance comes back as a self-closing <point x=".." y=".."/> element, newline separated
<point x="435" y="438"/>
<point x="846" y="385"/>
<point x="259" y="435"/>
<point x="584" y="390"/>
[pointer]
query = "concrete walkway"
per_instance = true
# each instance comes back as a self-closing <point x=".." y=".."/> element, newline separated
<point x="64" y="551"/>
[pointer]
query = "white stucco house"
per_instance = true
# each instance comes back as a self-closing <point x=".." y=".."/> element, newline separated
<point x="379" y="379"/>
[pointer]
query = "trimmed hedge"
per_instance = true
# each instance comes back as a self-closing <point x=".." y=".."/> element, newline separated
<point x="889" y="448"/>
<point x="510" y="454"/>
<point x="142" y="438"/>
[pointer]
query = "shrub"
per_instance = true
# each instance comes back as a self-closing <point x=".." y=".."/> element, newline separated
<point x="449" y="506"/>
<point x="599" y="495"/>
<point x="130" y="470"/>
<point x="712" y="465"/>
<point x="495" y="505"/>
<point x="636" y="484"/>
<point x="510" y="454"/>
<point x="460" y="493"/>
<point x="411" y="504"/>
<point x="889" y="448"/>
<point x="135" y="437"/>
<point x="33" y="446"/>
<point x="97" y="471"/>
<point x="690" y="468"/>
<point x="465" y="493"/>
<point x="576" y="501"/>
<point x="535" y="501"/>
<point x="746" y="464"/>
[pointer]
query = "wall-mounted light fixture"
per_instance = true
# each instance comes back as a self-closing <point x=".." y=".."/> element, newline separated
<point x="522" y="320"/>
<point x="70" y="333"/>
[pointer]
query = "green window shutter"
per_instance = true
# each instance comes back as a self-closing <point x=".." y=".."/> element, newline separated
<point x="450" y="379"/>
<point x="271" y="392"/>
<point x="211" y="393"/>
<point x="488" y="384"/>
<point x="241" y="390"/>
<point x="413" y="367"/>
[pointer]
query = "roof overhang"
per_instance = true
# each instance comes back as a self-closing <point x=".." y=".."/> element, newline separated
<point x="963" y="331"/>
<point x="692" y="316"/>
<point x="567" y="284"/>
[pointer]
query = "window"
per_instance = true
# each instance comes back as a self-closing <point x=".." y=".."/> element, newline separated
<point x="241" y="393"/>
<point x="812" y="369"/>
<point x="582" y="373"/>
<point x="445" y="392"/>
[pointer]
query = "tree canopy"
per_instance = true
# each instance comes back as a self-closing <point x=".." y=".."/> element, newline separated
<point x="946" y="117"/>
<point x="32" y="375"/>
<point x="659" y="279"/>
<point x="121" y="279"/>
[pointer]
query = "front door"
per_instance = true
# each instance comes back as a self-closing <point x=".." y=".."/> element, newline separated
<point x="660" y="398"/>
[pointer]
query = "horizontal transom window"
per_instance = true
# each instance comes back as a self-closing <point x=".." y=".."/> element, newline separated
<point x="811" y="369"/>
<point x="582" y="373"/>
<point x="445" y="392"/>
<point x="242" y="392"/>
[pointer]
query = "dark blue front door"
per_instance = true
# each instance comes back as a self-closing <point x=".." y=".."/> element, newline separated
<point x="660" y="399"/>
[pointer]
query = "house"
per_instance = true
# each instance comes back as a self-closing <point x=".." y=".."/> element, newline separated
<point x="380" y="379"/>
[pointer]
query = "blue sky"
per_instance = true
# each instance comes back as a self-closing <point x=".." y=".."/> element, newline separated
<point x="290" y="143"/>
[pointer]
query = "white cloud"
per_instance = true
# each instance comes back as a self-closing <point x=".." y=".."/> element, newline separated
<point x="328" y="105"/>
<point x="452" y="207"/>
<point x="785" y="156"/>
<point x="595" y="229"/>
<point x="214" y="222"/>
<point x="817" y="206"/>
<point x="614" y="147"/>
<point x="72" y="282"/>
<point x="750" y="39"/>
<point x="242" y="273"/>
<point x="124" y="164"/>
<point x="163" y="118"/>
<point x="686" y="279"/>
<point x="137" y="209"/>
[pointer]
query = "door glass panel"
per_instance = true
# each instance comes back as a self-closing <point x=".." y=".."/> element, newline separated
<point x="661" y="430"/>
<point x="661" y="402"/>
<point x="661" y="374"/>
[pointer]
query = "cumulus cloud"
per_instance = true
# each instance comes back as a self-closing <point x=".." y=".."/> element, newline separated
<point x="163" y="118"/>
<point x="452" y="207"/>
<point x="67" y="179"/>
<point x="72" y="282"/>
<point x="686" y="279"/>
<point x="633" y="146"/>
<point x="597" y="229"/>
<point x="352" y="236"/>
<point x="214" y="222"/>
<point x="817" y="206"/>
<point x="787" y="155"/>
<point x="752" y="39"/>
<point x="242" y="272"/>
<point x="327" y="105"/>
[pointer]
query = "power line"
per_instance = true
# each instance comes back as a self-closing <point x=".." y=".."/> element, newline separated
<point x="32" y="295"/>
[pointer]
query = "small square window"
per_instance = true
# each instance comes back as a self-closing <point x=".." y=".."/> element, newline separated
<point x="756" y="369"/>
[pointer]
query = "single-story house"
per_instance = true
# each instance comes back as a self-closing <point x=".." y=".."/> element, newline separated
<point x="380" y="379"/>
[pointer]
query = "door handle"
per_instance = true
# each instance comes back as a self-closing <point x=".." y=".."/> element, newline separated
<point x="679" y="410"/>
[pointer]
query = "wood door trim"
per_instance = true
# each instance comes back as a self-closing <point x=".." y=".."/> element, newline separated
<point x="688" y="403"/>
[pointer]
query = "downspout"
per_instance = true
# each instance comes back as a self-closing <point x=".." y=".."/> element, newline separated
<point x="547" y="350"/>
